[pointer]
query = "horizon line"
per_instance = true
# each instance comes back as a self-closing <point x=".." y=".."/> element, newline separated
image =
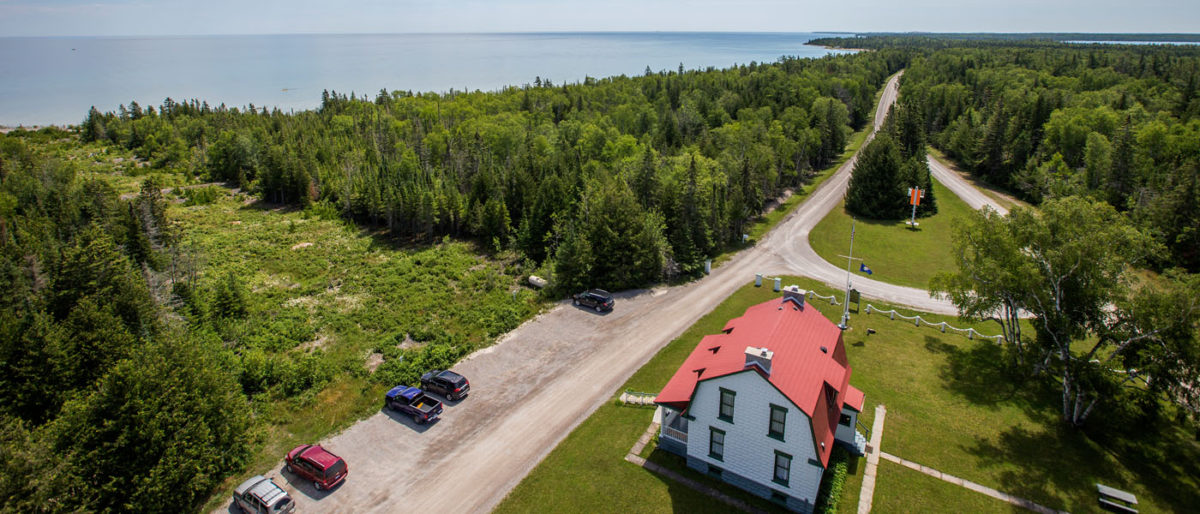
<point x="598" y="32"/>
<point x="448" y="33"/>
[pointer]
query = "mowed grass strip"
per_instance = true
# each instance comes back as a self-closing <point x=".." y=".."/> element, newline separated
<point x="951" y="406"/>
<point x="902" y="490"/>
<point x="896" y="253"/>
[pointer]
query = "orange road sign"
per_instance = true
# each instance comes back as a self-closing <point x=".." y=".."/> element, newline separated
<point x="915" y="195"/>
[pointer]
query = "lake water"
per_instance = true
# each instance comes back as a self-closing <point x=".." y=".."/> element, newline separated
<point x="56" y="80"/>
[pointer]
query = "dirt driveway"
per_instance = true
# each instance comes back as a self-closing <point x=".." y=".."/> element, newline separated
<point x="541" y="380"/>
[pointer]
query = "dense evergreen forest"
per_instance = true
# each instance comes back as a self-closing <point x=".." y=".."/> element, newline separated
<point x="1047" y="120"/>
<point x="106" y="405"/>
<point x="130" y="377"/>
<point x="570" y="174"/>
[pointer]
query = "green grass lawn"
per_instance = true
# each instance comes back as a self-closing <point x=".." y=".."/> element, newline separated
<point x="896" y="253"/>
<point x="900" y="490"/>
<point x="951" y="406"/>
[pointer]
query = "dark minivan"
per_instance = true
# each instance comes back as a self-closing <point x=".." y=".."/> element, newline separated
<point x="447" y="383"/>
<point x="598" y="299"/>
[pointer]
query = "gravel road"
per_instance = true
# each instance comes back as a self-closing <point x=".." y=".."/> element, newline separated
<point x="955" y="183"/>
<point x="530" y="389"/>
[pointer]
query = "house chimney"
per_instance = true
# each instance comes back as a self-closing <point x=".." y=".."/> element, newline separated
<point x="794" y="294"/>
<point x="760" y="357"/>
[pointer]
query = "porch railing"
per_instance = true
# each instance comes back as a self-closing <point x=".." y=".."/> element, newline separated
<point x="674" y="434"/>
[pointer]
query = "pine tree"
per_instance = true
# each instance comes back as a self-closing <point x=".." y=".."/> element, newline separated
<point x="876" y="189"/>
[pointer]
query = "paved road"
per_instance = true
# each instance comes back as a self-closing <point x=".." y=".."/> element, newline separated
<point x="790" y="241"/>
<point x="530" y="389"/>
<point x="954" y="182"/>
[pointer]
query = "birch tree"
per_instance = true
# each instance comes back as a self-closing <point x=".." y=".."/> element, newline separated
<point x="1066" y="266"/>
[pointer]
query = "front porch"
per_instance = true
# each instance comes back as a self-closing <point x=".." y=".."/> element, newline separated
<point x="673" y="434"/>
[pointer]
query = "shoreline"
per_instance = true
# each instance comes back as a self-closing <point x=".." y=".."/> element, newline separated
<point x="4" y="129"/>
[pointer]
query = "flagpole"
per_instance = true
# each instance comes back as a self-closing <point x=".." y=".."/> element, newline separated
<point x="849" y="259"/>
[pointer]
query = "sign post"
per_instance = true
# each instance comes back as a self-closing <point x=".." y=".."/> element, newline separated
<point x="915" y="195"/>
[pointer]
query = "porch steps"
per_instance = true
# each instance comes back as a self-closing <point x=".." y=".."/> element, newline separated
<point x="860" y="443"/>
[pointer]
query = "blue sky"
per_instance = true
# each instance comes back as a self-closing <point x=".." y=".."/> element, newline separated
<point x="186" y="17"/>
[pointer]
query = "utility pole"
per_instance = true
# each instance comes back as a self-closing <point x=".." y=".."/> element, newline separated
<point x="849" y="259"/>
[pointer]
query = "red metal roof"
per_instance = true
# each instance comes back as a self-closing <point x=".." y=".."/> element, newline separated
<point x="854" y="398"/>
<point x="800" y="369"/>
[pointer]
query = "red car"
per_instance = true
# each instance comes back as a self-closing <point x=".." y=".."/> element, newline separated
<point x="312" y="462"/>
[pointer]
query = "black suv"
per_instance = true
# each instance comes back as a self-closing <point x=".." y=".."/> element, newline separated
<point x="447" y="383"/>
<point x="599" y="299"/>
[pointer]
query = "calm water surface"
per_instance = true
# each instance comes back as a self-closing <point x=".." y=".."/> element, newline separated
<point x="56" y="80"/>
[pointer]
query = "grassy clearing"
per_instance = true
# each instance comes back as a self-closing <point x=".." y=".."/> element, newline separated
<point x="331" y="298"/>
<point x="897" y="254"/>
<point x="951" y="406"/>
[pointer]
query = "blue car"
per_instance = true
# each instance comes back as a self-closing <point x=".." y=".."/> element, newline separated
<point x="414" y="402"/>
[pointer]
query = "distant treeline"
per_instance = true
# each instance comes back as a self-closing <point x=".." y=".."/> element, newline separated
<point x="1017" y="36"/>
<point x="615" y="182"/>
<point x="1117" y="123"/>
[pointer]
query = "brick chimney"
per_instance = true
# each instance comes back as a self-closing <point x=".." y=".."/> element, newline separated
<point x="795" y="294"/>
<point x="760" y="357"/>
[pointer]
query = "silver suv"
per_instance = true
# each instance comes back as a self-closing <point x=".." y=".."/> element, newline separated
<point x="260" y="495"/>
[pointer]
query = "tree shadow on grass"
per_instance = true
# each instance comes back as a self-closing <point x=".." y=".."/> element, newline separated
<point x="1059" y="467"/>
<point x="685" y="500"/>
<point x="980" y="373"/>
<point x="381" y="237"/>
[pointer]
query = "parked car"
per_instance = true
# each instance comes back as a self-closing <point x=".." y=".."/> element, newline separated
<point x="260" y="495"/>
<point x="414" y="402"/>
<point x="447" y="383"/>
<point x="312" y="462"/>
<point x="598" y="299"/>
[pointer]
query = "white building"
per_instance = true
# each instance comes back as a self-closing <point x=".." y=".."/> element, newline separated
<point x="761" y="404"/>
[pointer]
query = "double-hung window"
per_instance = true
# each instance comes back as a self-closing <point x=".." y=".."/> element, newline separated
<point x="726" y="412"/>
<point x="783" y="468"/>
<point x="716" y="443"/>
<point x="778" y="422"/>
